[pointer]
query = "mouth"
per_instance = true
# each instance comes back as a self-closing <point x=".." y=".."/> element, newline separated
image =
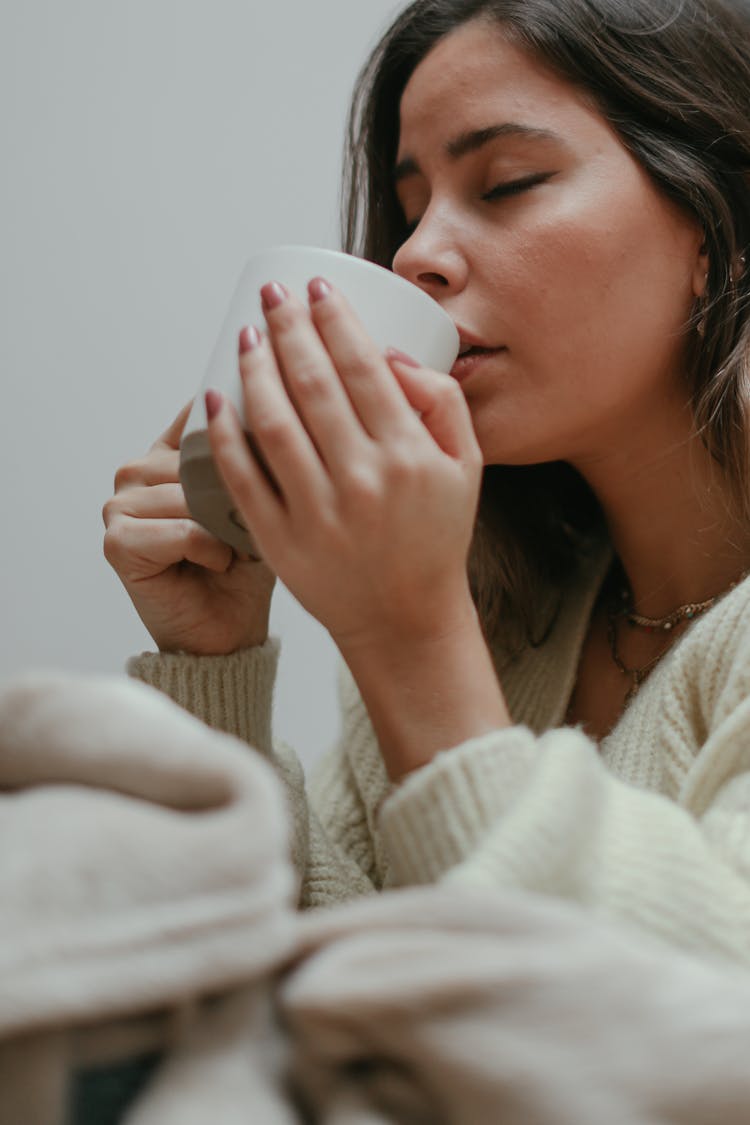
<point x="470" y="356"/>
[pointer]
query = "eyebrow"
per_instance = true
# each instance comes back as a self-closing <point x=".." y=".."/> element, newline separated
<point x="474" y="140"/>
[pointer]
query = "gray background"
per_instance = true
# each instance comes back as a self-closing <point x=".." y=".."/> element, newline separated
<point x="147" y="149"/>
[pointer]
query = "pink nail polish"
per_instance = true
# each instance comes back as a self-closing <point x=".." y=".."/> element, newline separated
<point x="318" y="289"/>
<point x="214" y="403"/>
<point x="402" y="357"/>
<point x="272" y="295"/>
<point x="249" y="338"/>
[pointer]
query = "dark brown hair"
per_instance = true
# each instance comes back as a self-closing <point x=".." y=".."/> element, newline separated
<point x="673" y="79"/>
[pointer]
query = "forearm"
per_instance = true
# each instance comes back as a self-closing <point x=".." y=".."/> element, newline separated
<point x="428" y="693"/>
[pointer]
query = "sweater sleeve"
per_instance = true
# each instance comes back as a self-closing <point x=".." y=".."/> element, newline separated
<point x="234" y="694"/>
<point x="546" y="814"/>
<point x="231" y="693"/>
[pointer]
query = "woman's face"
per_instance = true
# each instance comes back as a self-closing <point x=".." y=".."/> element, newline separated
<point x="548" y="246"/>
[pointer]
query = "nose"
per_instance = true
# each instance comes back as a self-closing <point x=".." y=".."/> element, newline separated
<point x="432" y="259"/>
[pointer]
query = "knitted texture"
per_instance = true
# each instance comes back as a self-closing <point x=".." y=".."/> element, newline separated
<point x="650" y="827"/>
<point x="230" y="693"/>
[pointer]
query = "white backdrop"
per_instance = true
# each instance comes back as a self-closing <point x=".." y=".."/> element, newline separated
<point x="147" y="148"/>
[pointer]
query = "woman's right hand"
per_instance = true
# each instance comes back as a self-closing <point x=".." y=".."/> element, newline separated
<point x="193" y="593"/>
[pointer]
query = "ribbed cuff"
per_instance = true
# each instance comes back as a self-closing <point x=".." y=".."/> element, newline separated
<point x="231" y="693"/>
<point x="441" y="813"/>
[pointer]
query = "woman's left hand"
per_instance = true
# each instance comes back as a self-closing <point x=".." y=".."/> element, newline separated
<point x="372" y="521"/>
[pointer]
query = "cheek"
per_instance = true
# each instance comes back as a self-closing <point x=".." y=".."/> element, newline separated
<point x="603" y="274"/>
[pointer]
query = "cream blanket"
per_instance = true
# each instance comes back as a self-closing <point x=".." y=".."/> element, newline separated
<point x="148" y="906"/>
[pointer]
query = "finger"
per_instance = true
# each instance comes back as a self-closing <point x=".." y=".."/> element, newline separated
<point x="160" y="466"/>
<point x="161" y="501"/>
<point x="441" y="404"/>
<point x="312" y="382"/>
<point x="171" y="436"/>
<point x="261" y="505"/>
<point x="278" y="434"/>
<point x="140" y="549"/>
<point x="362" y="368"/>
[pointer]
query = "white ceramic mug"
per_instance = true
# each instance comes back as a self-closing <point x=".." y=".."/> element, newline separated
<point x="394" y="312"/>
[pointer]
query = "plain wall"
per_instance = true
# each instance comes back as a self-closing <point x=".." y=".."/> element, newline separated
<point x="147" y="149"/>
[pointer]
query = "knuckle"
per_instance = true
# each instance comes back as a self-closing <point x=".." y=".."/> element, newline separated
<point x="192" y="537"/>
<point x="109" y="510"/>
<point x="402" y="463"/>
<point x="310" y="379"/>
<point x="359" y="361"/>
<point x="362" y="485"/>
<point x="189" y="531"/>
<point x="271" y="431"/>
<point x="112" y="545"/>
<point x="128" y="475"/>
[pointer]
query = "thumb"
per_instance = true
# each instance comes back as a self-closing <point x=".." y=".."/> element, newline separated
<point x="439" y="400"/>
<point x="171" y="436"/>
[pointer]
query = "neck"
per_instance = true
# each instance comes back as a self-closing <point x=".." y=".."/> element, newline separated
<point x="670" y="517"/>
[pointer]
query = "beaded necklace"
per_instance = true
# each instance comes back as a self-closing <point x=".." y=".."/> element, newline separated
<point x="622" y="608"/>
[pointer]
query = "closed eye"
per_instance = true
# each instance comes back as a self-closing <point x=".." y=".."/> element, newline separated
<point x="500" y="191"/>
<point x="516" y="187"/>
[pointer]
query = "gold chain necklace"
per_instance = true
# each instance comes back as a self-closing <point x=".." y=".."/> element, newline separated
<point x="665" y="625"/>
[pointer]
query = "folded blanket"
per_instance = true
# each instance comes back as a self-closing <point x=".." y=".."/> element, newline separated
<point x="153" y="968"/>
<point x="144" y="868"/>
<point x="437" y="1008"/>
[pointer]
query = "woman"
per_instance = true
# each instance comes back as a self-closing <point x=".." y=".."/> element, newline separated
<point x="569" y="713"/>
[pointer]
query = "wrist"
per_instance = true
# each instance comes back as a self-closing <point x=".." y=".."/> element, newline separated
<point x="408" y="634"/>
<point x="428" y="690"/>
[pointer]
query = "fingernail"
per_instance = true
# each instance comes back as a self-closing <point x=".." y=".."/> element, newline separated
<point x="272" y="295"/>
<point x="214" y="402"/>
<point x="318" y="289"/>
<point x="394" y="353"/>
<point x="249" y="338"/>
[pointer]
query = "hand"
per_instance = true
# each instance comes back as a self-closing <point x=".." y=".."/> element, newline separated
<point x="371" y="524"/>
<point x="192" y="592"/>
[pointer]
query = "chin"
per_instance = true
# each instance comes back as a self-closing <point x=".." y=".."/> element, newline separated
<point x="511" y="441"/>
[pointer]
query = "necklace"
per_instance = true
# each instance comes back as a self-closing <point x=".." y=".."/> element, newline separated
<point x="682" y="613"/>
<point x="665" y="625"/>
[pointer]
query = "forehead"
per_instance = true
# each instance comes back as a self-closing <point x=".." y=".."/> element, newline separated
<point x="476" y="76"/>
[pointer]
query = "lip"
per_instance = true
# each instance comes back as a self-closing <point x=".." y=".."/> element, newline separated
<point x="465" y="365"/>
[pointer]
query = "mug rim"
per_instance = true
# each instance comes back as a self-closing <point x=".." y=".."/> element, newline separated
<point x="409" y="288"/>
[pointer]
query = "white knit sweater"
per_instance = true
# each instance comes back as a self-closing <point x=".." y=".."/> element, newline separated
<point x="650" y="827"/>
